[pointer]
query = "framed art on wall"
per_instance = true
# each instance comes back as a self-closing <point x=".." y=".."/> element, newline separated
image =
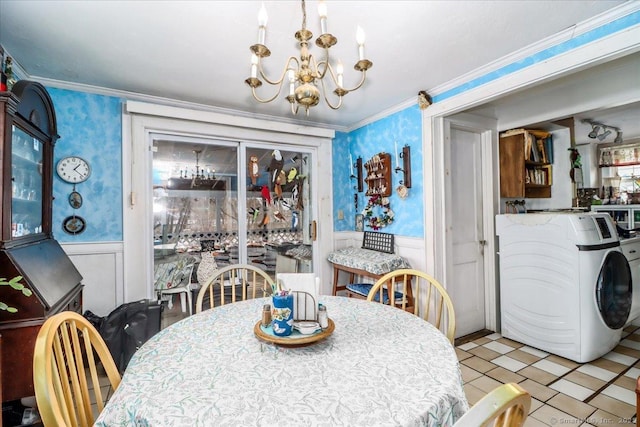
<point x="359" y="222"/>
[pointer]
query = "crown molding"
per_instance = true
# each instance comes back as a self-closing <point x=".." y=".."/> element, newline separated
<point x="568" y="34"/>
<point x="581" y="28"/>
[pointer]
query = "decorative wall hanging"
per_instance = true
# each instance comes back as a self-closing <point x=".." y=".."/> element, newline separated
<point x="405" y="155"/>
<point x="74" y="224"/>
<point x="254" y="169"/>
<point x="378" y="213"/>
<point x="424" y="100"/>
<point x="358" y="173"/>
<point x="378" y="176"/>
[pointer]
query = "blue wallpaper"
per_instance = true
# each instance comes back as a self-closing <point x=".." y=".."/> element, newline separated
<point x="402" y="128"/>
<point x="89" y="126"/>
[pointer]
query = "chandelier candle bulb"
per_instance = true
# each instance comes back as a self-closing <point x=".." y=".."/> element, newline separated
<point x="292" y="79"/>
<point x="322" y="11"/>
<point x="360" y="38"/>
<point x="395" y="148"/>
<point x="340" y="71"/>
<point x="254" y="66"/>
<point x="262" y="24"/>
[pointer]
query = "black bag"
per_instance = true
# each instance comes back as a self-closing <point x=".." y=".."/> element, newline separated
<point x="127" y="327"/>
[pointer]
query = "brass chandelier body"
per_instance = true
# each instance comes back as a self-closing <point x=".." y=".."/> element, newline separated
<point x="305" y="72"/>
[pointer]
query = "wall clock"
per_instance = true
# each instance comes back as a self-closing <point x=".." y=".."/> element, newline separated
<point x="73" y="169"/>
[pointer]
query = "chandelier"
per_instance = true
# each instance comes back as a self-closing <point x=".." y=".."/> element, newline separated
<point x="197" y="180"/>
<point x="303" y="73"/>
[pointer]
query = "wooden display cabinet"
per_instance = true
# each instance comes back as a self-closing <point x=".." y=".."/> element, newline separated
<point x="27" y="247"/>
<point x="525" y="168"/>
<point x="378" y="175"/>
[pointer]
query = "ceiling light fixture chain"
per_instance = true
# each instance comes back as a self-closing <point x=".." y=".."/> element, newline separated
<point x="304" y="72"/>
<point x="606" y="131"/>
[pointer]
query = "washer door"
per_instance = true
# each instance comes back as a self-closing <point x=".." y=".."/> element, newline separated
<point x="613" y="290"/>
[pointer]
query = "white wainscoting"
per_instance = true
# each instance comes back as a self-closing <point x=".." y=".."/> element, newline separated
<point x="101" y="266"/>
<point x="411" y="249"/>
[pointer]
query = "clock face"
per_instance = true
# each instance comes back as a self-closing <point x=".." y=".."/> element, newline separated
<point x="73" y="169"/>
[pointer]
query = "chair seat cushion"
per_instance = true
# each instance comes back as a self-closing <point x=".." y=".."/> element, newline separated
<point x="364" y="288"/>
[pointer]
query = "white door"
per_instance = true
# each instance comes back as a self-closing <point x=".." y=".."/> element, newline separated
<point x="466" y="221"/>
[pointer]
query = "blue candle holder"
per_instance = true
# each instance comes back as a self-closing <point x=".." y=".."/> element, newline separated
<point x="282" y="314"/>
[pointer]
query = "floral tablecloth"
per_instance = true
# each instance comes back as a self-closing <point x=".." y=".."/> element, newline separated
<point x="380" y="367"/>
<point x="374" y="262"/>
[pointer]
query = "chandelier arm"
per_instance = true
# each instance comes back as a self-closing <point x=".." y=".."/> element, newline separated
<point x="327" y="66"/>
<point x="265" y="100"/>
<point x="284" y="71"/>
<point x="324" y="95"/>
<point x="364" y="76"/>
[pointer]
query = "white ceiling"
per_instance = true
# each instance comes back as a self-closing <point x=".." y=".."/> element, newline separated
<point x="198" y="51"/>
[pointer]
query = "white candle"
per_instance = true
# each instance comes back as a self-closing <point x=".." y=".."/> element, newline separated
<point x="322" y="11"/>
<point x="292" y="79"/>
<point x="340" y="71"/>
<point x="254" y="66"/>
<point x="395" y="147"/>
<point x="351" y="163"/>
<point x="360" y="37"/>
<point x="262" y="24"/>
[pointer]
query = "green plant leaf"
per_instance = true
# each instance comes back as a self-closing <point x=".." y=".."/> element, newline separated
<point x="15" y="284"/>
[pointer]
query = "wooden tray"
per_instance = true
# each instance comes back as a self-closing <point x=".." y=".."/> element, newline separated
<point x="296" y="339"/>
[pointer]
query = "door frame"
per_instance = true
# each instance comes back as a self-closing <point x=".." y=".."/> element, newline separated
<point x="142" y="120"/>
<point x="472" y="91"/>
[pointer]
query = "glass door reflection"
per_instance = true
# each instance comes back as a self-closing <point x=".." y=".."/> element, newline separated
<point x="278" y="210"/>
<point x="218" y="203"/>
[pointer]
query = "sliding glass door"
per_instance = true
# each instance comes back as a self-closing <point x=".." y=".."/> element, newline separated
<point x="278" y="210"/>
<point x="217" y="203"/>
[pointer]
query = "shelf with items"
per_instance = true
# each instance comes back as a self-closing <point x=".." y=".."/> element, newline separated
<point x="619" y="155"/>
<point x="378" y="175"/>
<point x="525" y="164"/>
<point x="29" y="146"/>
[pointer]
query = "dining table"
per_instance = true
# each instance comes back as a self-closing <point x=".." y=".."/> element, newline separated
<point x="379" y="366"/>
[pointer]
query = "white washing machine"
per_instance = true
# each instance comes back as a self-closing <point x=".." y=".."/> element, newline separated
<point x="631" y="250"/>
<point x="565" y="285"/>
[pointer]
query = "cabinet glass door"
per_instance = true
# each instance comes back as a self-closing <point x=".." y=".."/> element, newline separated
<point x="26" y="177"/>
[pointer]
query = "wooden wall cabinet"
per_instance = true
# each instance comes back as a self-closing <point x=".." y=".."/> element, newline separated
<point x="525" y="164"/>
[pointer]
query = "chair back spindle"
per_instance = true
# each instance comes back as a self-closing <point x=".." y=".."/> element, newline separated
<point x="237" y="282"/>
<point x="67" y="356"/>
<point x="418" y="293"/>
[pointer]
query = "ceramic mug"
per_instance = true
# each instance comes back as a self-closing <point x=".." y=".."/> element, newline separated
<point x="282" y="314"/>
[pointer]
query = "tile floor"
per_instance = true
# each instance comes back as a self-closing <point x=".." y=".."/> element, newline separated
<point x="598" y="393"/>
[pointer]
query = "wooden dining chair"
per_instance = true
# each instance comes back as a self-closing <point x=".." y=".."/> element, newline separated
<point x="418" y="293"/>
<point x="66" y="363"/>
<point x="505" y="406"/>
<point x="237" y="282"/>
